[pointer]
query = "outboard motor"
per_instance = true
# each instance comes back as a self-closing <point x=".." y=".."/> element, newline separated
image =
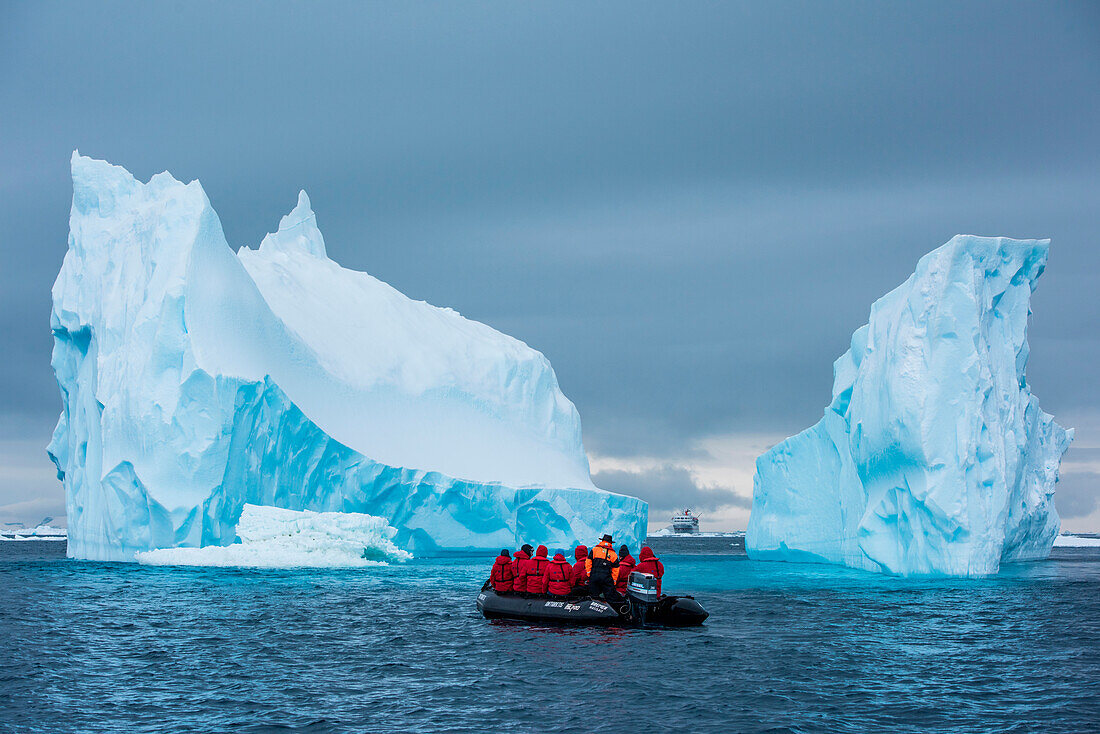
<point x="641" y="590"/>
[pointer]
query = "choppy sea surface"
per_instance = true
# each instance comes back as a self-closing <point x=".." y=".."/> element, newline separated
<point x="97" y="647"/>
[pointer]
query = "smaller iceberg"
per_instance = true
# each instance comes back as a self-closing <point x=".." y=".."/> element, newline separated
<point x="933" y="458"/>
<point x="271" y="537"/>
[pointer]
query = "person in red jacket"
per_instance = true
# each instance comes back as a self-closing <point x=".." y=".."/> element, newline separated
<point x="503" y="578"/>
<point x="580" y="573"/>
<point x="626" y="565"/>
<point x="536" y="572"/>
<point x="559" y="576"/>
<point x="519" y="568"/>
<point x="649" y="563"/>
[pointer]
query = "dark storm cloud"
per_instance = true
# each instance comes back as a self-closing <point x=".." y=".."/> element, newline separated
<point x="669" y="488"/>
<point x="1077" y="494"/>
<point x="688" y="208"/>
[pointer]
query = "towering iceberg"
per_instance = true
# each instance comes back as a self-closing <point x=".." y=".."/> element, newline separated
<point x="195" y="380"/>
<point x="933" y="457"/>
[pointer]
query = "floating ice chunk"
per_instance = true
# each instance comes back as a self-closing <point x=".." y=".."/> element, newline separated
<point x="271" y="537"/>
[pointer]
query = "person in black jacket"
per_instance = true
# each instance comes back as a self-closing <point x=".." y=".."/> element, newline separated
<point x="603" y="571"/>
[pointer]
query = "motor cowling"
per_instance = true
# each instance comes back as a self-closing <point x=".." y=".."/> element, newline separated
<point x="642" y="586"/>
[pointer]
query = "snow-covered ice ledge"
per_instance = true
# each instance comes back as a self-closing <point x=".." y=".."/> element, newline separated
<point x="933" y="457"/>
<point x="195" y="380"/>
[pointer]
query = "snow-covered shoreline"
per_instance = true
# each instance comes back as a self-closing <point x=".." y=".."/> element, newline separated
<point x="40" y="532"/>
<point x="1076" y="541"/>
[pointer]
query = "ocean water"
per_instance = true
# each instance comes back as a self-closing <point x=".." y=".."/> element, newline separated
<point x="94" y="647"/>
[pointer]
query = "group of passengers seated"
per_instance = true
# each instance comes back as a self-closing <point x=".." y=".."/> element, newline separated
<point x="598" y="571"/>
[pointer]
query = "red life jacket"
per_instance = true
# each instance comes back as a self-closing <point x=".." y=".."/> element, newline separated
<point x="519" y="569"/>
<point x="559" y="576"/>
<point x="626" y="565"/>
<point x="650" y="563"/>
<point x="580" y="573"/>
<point x="503" y="577"/>
<point x="536" y="572"/>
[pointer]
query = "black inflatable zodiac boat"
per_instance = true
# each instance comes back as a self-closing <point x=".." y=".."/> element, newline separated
<point x="642" y="607"/>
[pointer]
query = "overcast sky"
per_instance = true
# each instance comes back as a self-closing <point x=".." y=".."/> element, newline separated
<point x="688" y="207"/>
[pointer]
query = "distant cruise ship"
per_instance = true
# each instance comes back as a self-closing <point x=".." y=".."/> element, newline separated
<point x="685" y="523"/>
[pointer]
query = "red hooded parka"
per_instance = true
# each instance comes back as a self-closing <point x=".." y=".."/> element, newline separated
<point x="559" y="576"/>
<point x="626" y="565"/>
<point x="536" y="571"/>
<point x="649" y="563"/>
<point x="580" y="574"/>
<point x="519" y="568"/>
<point x="503" y="578"/>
